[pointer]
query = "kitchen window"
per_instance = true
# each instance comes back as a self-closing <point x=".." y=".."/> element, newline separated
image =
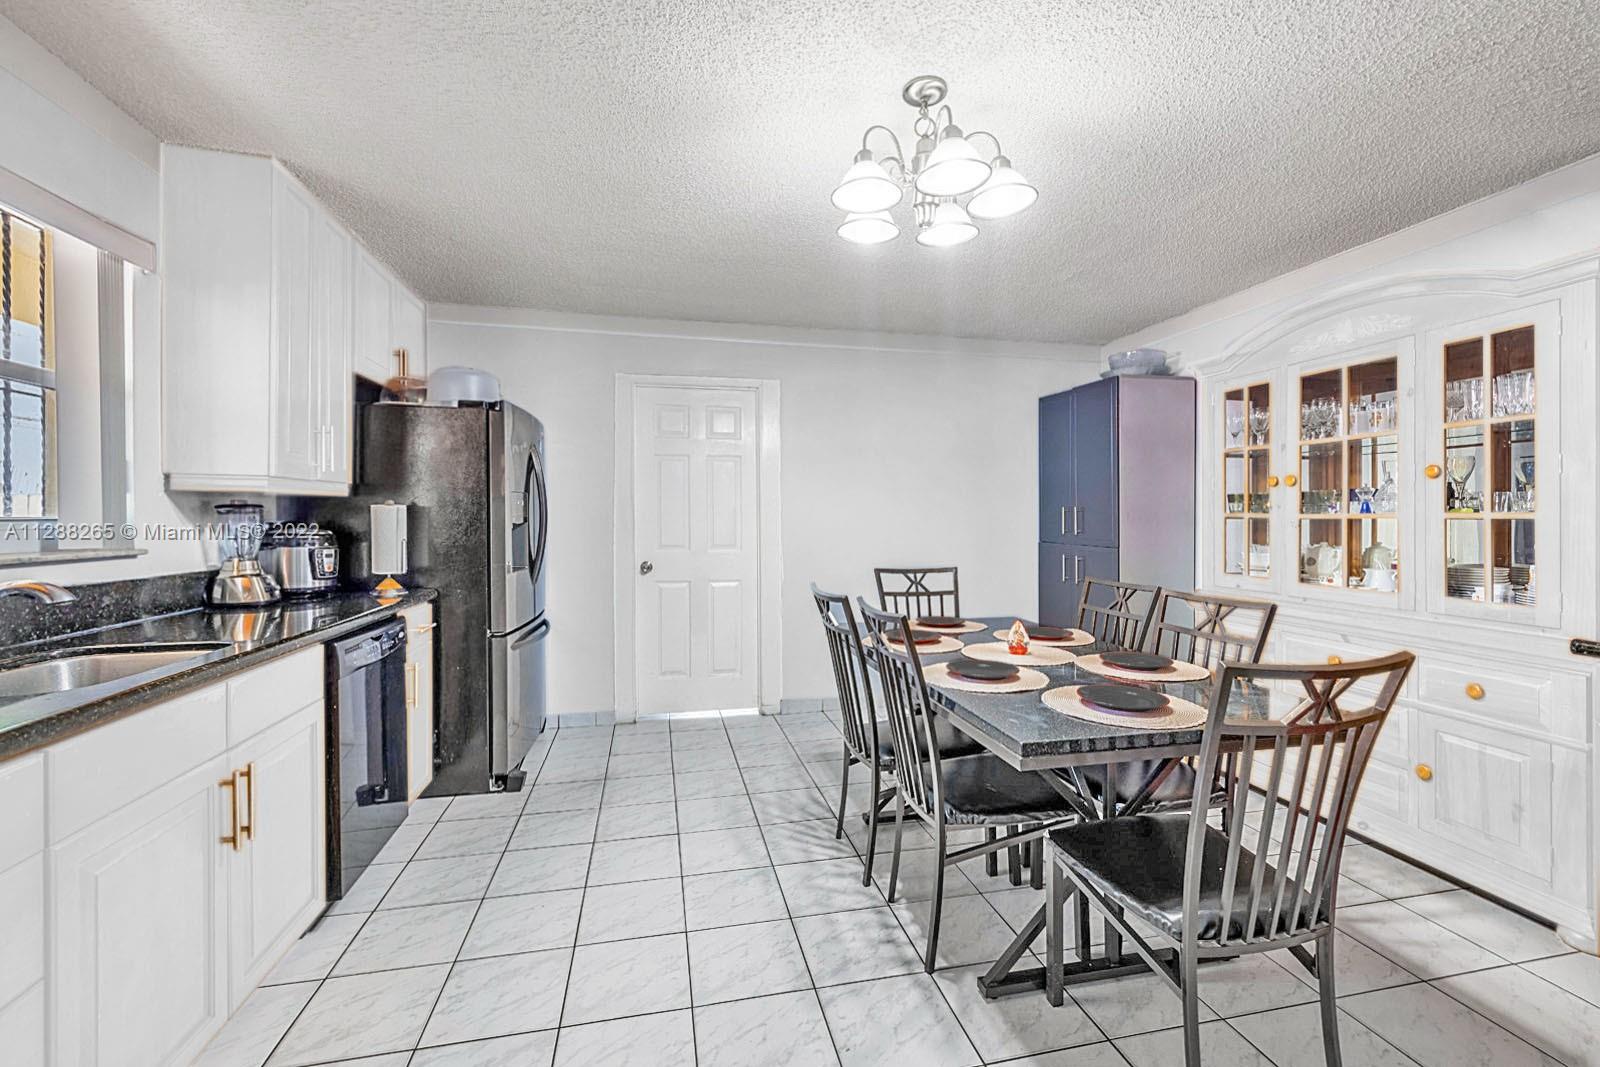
<point x="64" y="375"/>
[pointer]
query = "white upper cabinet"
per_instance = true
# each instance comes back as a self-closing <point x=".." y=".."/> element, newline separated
<point x="269" y="307"/>
<point x="389" y="318"/>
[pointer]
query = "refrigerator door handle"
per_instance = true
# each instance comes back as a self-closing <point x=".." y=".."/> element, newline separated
<point x="535" y="632"/>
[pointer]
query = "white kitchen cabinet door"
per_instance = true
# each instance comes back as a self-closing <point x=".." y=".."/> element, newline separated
<point x="277" y="877"/>
<point x="136" y="977"/>
<point x="419" y="698"/>
<point x="331" y="312"/>
<point x="22" y="1027"/>
<point x="1486" y="789"/>
<point x="297" y="429"/>
<point x="371" y="340"/>
<point x="410" y="329"/>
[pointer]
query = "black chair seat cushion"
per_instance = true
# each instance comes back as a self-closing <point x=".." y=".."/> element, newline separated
<point x="952" y="742"/>
<point x="1136" y="862"/>
<point x="1129" y="777"/>
<point x="983" y="789"/>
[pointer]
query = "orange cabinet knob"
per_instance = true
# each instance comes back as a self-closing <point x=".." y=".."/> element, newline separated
<point x="1290" y="479"/>
<point x="1433" y="470"/>
<point x="1425" y="772"/>
<point x="1474" y="690"/>
<point x="1272" y="480"/>
<point x="1335" y="660"/>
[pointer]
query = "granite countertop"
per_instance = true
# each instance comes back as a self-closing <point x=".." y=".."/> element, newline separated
<point x="230" y="641"/>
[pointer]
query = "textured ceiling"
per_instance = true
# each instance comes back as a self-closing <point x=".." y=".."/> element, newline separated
<point x="674" y="159"/>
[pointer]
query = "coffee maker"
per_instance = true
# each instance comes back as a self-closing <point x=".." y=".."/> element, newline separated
<point x="240" y="582"/>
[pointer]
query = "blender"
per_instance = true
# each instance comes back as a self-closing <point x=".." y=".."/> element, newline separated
<point x="240" y="582"/>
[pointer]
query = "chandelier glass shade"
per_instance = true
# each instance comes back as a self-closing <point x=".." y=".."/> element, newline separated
<point x="946" y="166"/>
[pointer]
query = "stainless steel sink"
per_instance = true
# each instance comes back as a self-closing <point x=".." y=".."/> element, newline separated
<point x="62" y="673"/>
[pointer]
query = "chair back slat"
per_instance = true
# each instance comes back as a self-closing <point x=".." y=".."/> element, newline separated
<point x="905" y="699"/>
<point x="1209" y="630"/>
<point x="1118" y="614"/>
<point x="858" y="715"/>
<point x="1322" y="748"/>
<point x="919" y="592"/>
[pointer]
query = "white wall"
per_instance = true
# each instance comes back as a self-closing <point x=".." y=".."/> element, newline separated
<point x="76" y="146"/>
<point x="849" y="405"/>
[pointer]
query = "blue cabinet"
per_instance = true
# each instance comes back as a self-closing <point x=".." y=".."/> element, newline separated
<point x="1116" y="488"/>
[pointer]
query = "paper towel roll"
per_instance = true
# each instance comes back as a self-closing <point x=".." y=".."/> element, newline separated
<point x="389" y="555"/>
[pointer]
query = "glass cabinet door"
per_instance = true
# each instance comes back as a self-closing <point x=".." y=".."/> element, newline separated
<point x="1247" y="481"/>
<point x="1496" y="404"/>
<point x="1347" y="477"/>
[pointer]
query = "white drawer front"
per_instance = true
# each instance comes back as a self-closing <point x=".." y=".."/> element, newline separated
<point x="1385" y="793"/>
<point x="268" y="694"/>
<point x="1531" y="697"/>
<point x="1488" y="790"/>
<point x="1316" y="651"/>
<point x="22" y="926"/>
<point x="98" y="772"/>
<point x="22" y="805"/>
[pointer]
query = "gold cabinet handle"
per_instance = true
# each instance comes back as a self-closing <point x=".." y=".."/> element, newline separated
<point x="1433" y="470"/>
<point x="231" y="784"/>
<point x="1291" y="480"/>
<point x="411" y="685"/>
<point x="247" y="825"/>
<point x="1272" y="481"/>
<point x="1474" y="690"/>
<point x="1334" y="661"/>
<point x="423" y="629"/>
<point x="1424" y="772"/>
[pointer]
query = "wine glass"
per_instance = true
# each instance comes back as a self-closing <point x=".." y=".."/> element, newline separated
<point x="1235" y="428"/>
<point x="1260" y="419"/>
<point x="1460" y="468"/>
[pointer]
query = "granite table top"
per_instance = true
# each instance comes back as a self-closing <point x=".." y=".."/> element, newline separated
<point x="230" y="640"/>
<point x="1022" y="730"/>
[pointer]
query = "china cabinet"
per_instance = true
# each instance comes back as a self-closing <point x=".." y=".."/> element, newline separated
<point x="1408" y="464"/>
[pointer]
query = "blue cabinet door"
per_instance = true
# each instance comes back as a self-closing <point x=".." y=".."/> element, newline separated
<point x="1093" y="446"/>
<point x="1055" y="467"/>
<point x="1058" y="587"/>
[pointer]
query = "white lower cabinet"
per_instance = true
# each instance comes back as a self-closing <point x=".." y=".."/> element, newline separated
<point x="22" y="1026"/>
<point x="169" y="906"/>
<point x="276" y="882"/>
<point x="419" y="698"/>
<point x="140" y="900"/>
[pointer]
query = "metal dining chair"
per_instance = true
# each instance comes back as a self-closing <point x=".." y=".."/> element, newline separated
<point x="919" y="592"/>
<point x="863" y="744"/>
<point x="977" y="790"/>
<point x="1200" y="628"/>
<point x="1117" y="613"/>
<point x="1219" y="893"/>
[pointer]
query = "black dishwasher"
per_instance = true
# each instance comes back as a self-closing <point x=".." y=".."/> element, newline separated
<point x="366" y="749"/>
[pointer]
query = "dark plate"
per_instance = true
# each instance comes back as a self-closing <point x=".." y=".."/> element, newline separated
<point x="1049" y="633"/>
<point x="917" y="637"/>
<point x="942" y="622"/>
<point x="980" y="670"/>
<point x="1136" y="661"/>
<point x="1121" y="698"/>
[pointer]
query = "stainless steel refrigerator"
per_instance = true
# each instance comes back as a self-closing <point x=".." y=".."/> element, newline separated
<point x="473" y="478"/>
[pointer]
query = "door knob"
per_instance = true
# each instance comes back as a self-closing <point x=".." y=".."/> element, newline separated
<point x="1432" y="470"/>
<point x="1290" y="480"/>
<point x="646" y="567"/>
<point x="1272" y="480"/>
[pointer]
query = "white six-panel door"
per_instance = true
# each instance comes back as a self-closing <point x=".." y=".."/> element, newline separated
<point x="695" y="507"/>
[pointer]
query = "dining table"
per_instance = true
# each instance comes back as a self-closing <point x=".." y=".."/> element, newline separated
<point x="1029" y="735"/>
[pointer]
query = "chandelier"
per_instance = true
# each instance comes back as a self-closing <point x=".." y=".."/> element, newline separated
<point x="945" y="167"/>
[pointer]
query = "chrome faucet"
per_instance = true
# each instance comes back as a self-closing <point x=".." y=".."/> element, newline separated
<point x="43" y="592"/>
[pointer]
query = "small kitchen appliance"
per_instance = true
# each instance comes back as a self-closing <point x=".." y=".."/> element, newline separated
<point x="240" y="581"/>
<point x="301" y="558"/>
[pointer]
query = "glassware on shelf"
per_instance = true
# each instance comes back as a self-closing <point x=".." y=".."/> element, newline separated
<point x="1463" y="400"/>
<point x="1504" y="500"/>
<point x="1260" y="421"/>
<point x="1362" y="498"/>
<point x="1235" y="430"/>
<point x="1513" y="393"/>
<point x="1319" y="418"/>
<point x="1387" y="499"/>
<point x="1459" y="469"/>
<point x="1382" y="415"/>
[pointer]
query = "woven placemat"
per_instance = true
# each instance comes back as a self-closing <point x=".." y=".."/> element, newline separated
<point x="935" y="648"/>
<point x="968" y="627"/>
<point x="1178" y="672"/>
<point x="1027" y="681"/>
<point x="1074" y="638"/>
<point x="1177" y="715"/>
<point x="1037" y="655"/>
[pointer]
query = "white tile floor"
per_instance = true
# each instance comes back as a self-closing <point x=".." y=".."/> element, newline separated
<point x="672" y="893"/>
